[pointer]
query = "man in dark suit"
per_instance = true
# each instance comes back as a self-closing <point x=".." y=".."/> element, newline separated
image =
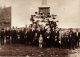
<point x="22" y="36"/>
<point x="47" y="38"/>
<point x="77" y="37"/>
<point x="56" y="38"/>
<point x="72" y="39"/>
<point x="7" y="35"/>
<point x="30" y="35"/>
<point x="36" y="37"/>
<point x="2" y="34"/>
<point x="14" y="36"/>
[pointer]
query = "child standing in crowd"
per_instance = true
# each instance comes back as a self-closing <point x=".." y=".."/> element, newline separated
<point x="40" y="41"/>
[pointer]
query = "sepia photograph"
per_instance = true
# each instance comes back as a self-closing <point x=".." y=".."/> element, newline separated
<point x="39" y="28"/>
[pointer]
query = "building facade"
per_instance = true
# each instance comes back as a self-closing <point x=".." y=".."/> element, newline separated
<point x="5" y="17"/>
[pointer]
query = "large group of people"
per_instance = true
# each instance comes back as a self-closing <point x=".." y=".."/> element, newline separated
<point x="41" y="36"/>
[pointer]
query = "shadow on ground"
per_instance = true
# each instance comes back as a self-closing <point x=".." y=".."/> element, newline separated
<point x="29" y="51"/>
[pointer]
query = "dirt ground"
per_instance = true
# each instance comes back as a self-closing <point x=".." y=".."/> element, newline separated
<point x="19" y="50"/>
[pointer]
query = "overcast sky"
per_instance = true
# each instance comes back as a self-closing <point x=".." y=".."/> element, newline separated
<point x="68" y="11"/>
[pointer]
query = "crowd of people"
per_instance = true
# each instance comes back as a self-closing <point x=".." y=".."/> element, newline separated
<point x="42" y="37"/>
